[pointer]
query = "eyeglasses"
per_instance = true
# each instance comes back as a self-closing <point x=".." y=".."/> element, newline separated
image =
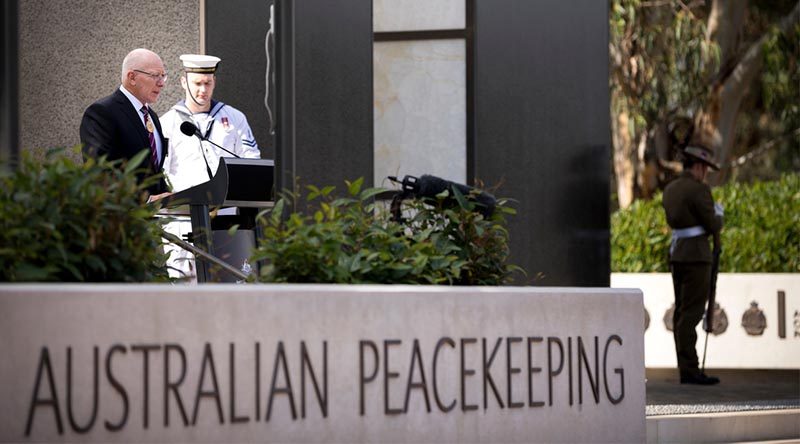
<point x="156" y="77"/>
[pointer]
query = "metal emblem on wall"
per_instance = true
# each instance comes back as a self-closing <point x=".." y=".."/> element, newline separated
<point x="720" y="320"/>
<point x="754" y="321"/>
<point x="668" y="317"/>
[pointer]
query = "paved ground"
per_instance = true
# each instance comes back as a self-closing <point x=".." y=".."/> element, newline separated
<point x="738" y="390"/>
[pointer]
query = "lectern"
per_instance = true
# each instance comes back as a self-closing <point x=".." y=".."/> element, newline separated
<point x="241" y="183"/>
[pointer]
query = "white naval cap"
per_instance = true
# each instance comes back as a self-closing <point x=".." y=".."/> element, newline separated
<point x="199" y="63"/>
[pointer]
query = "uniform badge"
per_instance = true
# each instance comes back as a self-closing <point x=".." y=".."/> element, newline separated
<point x="225" y="124"/>
<point x="149" y="126"/>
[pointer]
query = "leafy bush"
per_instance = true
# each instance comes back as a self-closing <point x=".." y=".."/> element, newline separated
<point x="761" y="233"/>
<point x="62" y="220"/>
<point x="354" y="240"/>
<point x="640" y="238"/>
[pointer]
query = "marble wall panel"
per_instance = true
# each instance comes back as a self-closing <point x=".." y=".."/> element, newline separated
<point x="420" y="109"/>
<point x="415" y="15"/>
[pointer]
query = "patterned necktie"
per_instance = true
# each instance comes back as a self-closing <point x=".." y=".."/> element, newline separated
<point x="152" y="137"/>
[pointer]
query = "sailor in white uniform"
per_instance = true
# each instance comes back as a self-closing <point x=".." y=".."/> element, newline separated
<point x="192" y="161"/>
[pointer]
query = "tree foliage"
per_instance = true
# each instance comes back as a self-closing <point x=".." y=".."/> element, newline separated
<point x="761" y="232"/>
<point x="714" y="72"/>
<point x="68" y="221"/>
<point x="353" y="239"/>
<point x="660" y="60"/>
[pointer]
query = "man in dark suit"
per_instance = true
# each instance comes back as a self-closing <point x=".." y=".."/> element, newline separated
<point x="123" y="124"/>
<point x="693" y="217"/>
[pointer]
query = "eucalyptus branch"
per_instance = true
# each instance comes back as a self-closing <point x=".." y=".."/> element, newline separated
<point x="761" y="149"/>
<point x="687" y="9"/>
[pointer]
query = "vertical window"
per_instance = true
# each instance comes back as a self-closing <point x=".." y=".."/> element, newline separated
<point x="421" y="89"/>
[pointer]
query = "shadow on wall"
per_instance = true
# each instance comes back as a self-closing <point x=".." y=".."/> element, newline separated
<point x="584" y="211"/>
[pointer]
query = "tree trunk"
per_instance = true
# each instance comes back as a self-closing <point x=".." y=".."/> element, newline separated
<point x="624" y="169"/>
<point x="725" y="27"/>
<point x="716" y="123"/>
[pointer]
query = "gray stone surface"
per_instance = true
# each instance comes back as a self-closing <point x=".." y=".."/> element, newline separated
<point x="71" y="54"/>
<point x="370" y="347"/>
<point x="726" y="407"/>
<point x="738" y="391"/>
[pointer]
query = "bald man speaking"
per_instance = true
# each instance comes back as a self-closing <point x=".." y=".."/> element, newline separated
<point x="123" y="124"/>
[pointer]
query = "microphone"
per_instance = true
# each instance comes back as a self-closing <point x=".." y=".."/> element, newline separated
<point x="190" y="129"/>
<point x="430" y="186"/>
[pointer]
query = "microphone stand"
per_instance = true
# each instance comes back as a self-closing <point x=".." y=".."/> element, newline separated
<point x="189" y="128"/>
<point x="408" y="187"/>
<point x="223" y="149"/>
<point x="198" y="252"/>
<point x="202" y="137"/>
<point x="208" y="168"/>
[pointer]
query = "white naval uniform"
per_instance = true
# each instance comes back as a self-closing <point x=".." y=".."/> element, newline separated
<point x="185" y="166"/>
<point x="224" y="125"/>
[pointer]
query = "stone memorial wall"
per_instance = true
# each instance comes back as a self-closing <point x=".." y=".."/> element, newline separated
<point x="296" y="363"/>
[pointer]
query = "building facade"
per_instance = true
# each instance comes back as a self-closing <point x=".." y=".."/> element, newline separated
<point x="509" y="95"/>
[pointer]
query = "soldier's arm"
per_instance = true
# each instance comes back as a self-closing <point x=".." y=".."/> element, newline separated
<point x="704" y="210"/>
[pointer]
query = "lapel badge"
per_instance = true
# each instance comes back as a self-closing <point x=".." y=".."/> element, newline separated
<point x="225" y="124"/>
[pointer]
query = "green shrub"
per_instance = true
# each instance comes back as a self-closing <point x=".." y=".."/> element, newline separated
<point x="354" y="240"/>
<point x="761" y="233"/>
<point x="62" y="220"/>
<point x="640" y="238"/>
<point x="762" y="226"/>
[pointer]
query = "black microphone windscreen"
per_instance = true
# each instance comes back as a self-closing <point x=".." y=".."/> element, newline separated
<point x="430" y="186"/>
<point x="188" y="128"/>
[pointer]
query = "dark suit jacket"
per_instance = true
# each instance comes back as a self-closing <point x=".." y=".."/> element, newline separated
<point x="113" y="128"/>
<point x="688" y="202"/>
